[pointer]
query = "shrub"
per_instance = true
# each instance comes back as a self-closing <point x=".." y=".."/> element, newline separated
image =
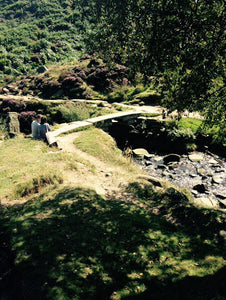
<point x="25" y="119"/>
<point x="73" y="112"/>
<point x="12" y="105"/>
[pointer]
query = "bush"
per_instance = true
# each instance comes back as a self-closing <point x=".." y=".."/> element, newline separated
<point x="73" y="112"/>
<point x="8" y="105"/>
<point x="25" y="119"/>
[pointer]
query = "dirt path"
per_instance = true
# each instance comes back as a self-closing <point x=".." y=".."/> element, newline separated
<point x="91" y="172"/>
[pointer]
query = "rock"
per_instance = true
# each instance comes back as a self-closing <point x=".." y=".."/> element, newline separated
<point x="140" y="152"/>
<point x="195" y="157"/>
<point x="171" y="158"/>
<point x="201" y="171"/>
<point x="220" y="195"/>
<point x="13" y="124"/>
<point x="158" y="159"/>
<point x="148" y="163"/>
<point x="5" y="90"/>
<point x="201" y="188"/>
<point x="173" y="165"/>
<point x="217" y="179"/>
<point x="193" y="175"/>
<point x="222" y="203"/>
<point x="194" y="192"/>
<point x="41" y="70"/>
<point x="148" y="156"/>
<point x="160" y="166"/>
<point x="212" y="161"/>
<point x="207" y="202"/>
<point x="108" y="174"/>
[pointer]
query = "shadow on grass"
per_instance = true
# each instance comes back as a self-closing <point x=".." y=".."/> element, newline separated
<point x="76" y="245"/>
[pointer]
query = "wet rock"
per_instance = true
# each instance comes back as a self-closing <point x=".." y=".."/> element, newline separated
<point x="193" y="175"/>
<point x="158" y="159"/>
<point x="162" y="167"/>
<point x="217" y="179"/>
<point x="212" y="161"/>
<point x="201" y="188"/>
<point x="140" y="152"/>
<point x="148" y="156"/>
<point x="207" y="202"/>
<point x="171" y="158"/>
<point x="195" y="157"/>
<point x="148" y="163"/>
<point x="220" y="195"/>
<point x="173" y="165"/>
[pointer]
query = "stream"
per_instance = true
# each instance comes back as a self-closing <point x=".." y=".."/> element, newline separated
<point x="201" y="173"/>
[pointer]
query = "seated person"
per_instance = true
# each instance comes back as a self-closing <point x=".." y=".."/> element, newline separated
<point x="35" y="127"/>
<point x="43" y="129"/>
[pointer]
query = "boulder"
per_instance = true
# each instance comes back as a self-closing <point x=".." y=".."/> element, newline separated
<point x="207" y="202"/>
<point x="13" y="124"/>
<point x="171" y="158"/>
<point x="195" y="157"/>
<point x="140" y="152"/>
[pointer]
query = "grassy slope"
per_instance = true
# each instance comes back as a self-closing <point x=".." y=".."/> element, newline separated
<point x="51" y="30"/>
<point x="71" y="243"/>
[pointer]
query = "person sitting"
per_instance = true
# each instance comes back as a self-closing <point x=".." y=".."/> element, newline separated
<point x="35" y="127"/>
<point x="43" y="129"/>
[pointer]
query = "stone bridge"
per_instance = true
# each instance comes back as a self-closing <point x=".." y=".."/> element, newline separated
<point x="107" y="119"/>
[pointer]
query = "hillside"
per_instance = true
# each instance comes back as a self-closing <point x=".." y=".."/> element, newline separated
<point x="33" y="33"/>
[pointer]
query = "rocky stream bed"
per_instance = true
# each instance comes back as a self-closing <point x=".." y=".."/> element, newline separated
<point x="204" y="174"/>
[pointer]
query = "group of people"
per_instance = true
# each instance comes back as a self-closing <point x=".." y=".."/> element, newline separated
<point x="39" y="128"/>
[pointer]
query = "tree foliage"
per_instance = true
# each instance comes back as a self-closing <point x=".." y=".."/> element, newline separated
<point x="179" y="42"/>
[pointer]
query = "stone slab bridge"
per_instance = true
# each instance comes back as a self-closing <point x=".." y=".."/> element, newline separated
<point x="107" y="119"/>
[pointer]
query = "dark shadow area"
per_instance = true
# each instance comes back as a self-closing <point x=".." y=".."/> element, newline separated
<point x="77" y="245"/>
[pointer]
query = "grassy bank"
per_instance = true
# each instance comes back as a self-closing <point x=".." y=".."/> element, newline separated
<point x="68" y="242"/>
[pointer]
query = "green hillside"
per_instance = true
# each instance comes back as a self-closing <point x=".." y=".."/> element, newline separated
<point x="33" y="33"/>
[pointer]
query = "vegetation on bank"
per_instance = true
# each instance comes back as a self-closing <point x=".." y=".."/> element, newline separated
<point x="69" y="242"/>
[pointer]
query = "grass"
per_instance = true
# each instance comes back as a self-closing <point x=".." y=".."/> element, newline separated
<point x="99" y="144"/>
<point x="192" y="123"/>
<point x="70" y="243"/>
<point x="27" y="166"/>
